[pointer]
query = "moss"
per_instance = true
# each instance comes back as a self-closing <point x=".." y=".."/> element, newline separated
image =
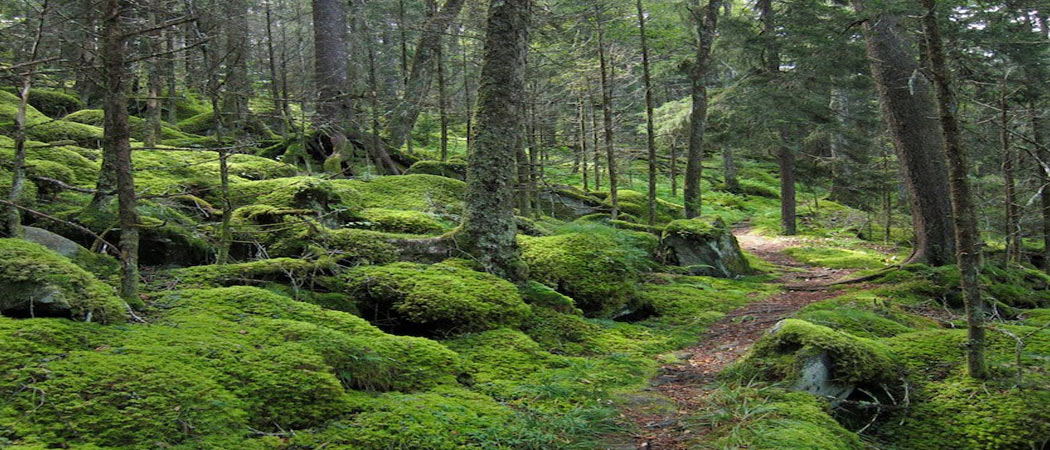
<point x="695" y="229"/>
<point x="539" y="294"/>
<point x="52" y="102"/>
<point x="139" y="126"/>
<point x="355" y="246"/>
<point x="33" y="277"/>
<point x="294" y="192"/>
<point x="780" y="354"/>
<point x="197" y="172"/>
<point x="201" y="123"/>
<point x="251" y="273"/>
<point x="970" y="414"/>
<point x="837" y="258"/>
<point x="426" y="193"/>
<point x="432" y="299"/>
<point x="636" y="204"/>
<point x="167" y="236"/>
<point x="135" y="401"/>
<point x="758" y="188"/>
<point x="400" y="221"/>
<point x="865" y="314"/>
<point x="597" y="266"/>
<point x="453" y="168"/>
<point x="782" y="420"/>
<point x="63" y="163"/>
<point x="1037" y="317"/>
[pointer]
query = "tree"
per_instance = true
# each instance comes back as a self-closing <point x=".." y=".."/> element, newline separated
<point x="785" y="156"/>
<point x="909" y="113"/>
<point x="334" y="103"/>
<point x="489" y="226"/>
<point x="117" y="144"/>
<point x="963" y="216"/>
<point x="706" y="20"/>
<point x="650" y="134"/>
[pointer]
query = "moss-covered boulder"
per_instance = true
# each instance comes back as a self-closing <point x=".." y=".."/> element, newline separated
<point x="52" y="102"/>
<point x="426" y="193"/>
<point x="139" y="126"/>
<point x="817" y="359"/>
<point x="569" y="203"/>
<point x="598" y="267"/>
<point x="37" y="281"/>
<point x="453" y="168"/>
<point x="704" y="247"/>
<point x="434" y="299"/>
<point x="401" y="221"/>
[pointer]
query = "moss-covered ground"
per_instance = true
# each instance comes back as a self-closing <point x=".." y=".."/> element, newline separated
<point x="324" y="333"/>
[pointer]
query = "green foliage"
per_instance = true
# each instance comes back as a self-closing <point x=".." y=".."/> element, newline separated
<point x="637" y="204"/>
<point x="539" y="294"/>
<point x="837" y="258"/>
<point x="401" y="221"/>
<point x="250" y="273"/>
<point x="695" y="229"/>
<point x="33" y="276"/>
<point x="596" y="265"/>
<point x="435" y="299"/>
<point x="780" y="354"/>
<point x="769" y="419"/>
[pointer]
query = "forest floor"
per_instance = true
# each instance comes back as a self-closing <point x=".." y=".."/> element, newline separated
<point x="680" y="391"/>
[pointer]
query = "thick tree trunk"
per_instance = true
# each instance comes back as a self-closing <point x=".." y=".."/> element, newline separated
<point x="87" y="84"/>
<point x="334" y="105"/>
<point x="649" y="128"/>
<point x="117" y="142"/>
<point x="271" y="63"/>
<point x="489" y="227"/>
<point x="909" y="113"/>
<point x="706" y="20"/>
<point x="404" y="115"/>
<point x="841" y="176"/>
<point x="237" y="50"/>
<point x="785" y="156"/>
<point x="963" y="216"/>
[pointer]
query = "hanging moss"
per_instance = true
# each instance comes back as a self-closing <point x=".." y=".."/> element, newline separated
<point x="36" y="280"/>
<point x="434" y="299"/>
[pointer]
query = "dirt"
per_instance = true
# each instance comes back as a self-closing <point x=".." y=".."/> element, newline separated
<point x="681" y="388"/>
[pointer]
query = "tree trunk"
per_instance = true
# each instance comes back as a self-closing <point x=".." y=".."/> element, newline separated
<point x="87" y="74"/>
<point x="596" y="146"/>
<point x="442" y="101"/>
<point x="237" y="50"/>
<point x="705" y="20"/>
<point x="963" y="216"/>
<point x="154" y="82"/>
<point x="785" y="156"/>
<point x="610" y="152"/>
<point x="404" y="115"/>
<point x="489" y="227"/>
<point x="841" y="176"/>
<point x="649" y="128"/>
<point x="334" y="105"/>
<point x="582" y="143"/>
<point x="1039" y="136"/>
<point x="117" y="142"/>
<point x="275" y="91"/>
<point x="1013" y="227"/>
<point x="18" y="171"/>
<point x="909" y="113"/>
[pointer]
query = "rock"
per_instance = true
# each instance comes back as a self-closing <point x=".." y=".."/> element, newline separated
<point x="815" y="378"/>
<point x="705" y="248"/>
<point x="568" y="203"/>
<point x="53" y="241"/>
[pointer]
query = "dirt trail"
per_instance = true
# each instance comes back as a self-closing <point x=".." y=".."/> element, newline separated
<point x="686" y="383"/>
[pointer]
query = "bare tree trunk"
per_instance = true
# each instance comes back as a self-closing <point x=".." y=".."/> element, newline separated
<point x="649" y="128"/>
<point x="841" y="177"/>
<point x="785" y="156"/>
<point x="706" y="20"/>
<point x="674" y="167"/>
<point x="403" y="118"/>
<point x="606" y="87"/>
<point x="154" y="82"/>
<point x="117" y="142"/>
<point x="1013" y="227"/>
<point x="1039" y="136"/>
<point x="963" y="216"/>
<point x="18" y="172"/>
<point x="582" y="124"/>
<point x="535" y="168"/>
<point x="596" y="147"/>
<point x="489" y="227"/>
<point x="442" y="101"/>
<point x="334" y="104"/>
<point x="909" y="114"/>
<point x="468" y="103"/>
<point x="275" y="92"/>
<point x="237" y="50"/>
<point x="87" y="83"/>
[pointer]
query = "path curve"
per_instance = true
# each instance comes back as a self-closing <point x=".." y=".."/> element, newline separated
<point x="686" y="383"/>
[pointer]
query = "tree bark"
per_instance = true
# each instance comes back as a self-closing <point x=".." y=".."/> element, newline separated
<point x="785" y="156"/>
<point x="1039" y="136"/>
<point x="404" y="115"/>
<point x="334" y="104"/>
<point x="489" y="227"/>
<point x="606" y="87"/>
<point x="117" y="142"/>
<point x="582" y="143"/>
<point x="1013" y="227"/>
<point x="909" y="113"/>
<point x="706" y="21"/>
<point x="649" y="127"/>
<point x="963" y="216"/>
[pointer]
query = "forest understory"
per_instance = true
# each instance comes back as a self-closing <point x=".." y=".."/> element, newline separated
<point x="524" y="224"/>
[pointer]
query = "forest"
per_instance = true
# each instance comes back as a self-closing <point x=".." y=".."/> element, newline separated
<point x="525" y="224"/>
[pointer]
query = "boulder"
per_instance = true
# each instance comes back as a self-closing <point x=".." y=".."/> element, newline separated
<point x="705" y="248"/>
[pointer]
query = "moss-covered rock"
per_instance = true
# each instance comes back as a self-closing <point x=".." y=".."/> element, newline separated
<point x="426" y="193"/>
<point x="261" y="272"/>
<point x="52" y="102"/>
<point x="401" y="221"/>
<point x="637" y="204"/>
<point x="139" y="126"/>
<point x="453" y="168"/>
<point x="598" y="267"/>
<point x="788" y="420"/>
<point x="793" y="344"/>
<point x="39" y="282"/>
<point x="705" y="247"/>
<point x="434" y="299"/>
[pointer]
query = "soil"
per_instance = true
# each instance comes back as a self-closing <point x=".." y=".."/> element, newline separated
<point x="681" y="388"/>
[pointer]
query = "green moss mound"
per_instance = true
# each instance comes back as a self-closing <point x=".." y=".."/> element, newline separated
<point x="779" y="355"/>
<point x="453" y="168"/>
<point x="426" y="193"/>
<point x="139" y="126"/>
<point x="597" y="266"/>
<point x="837" y="258"/>
<point x="782" y="420"/>
<point x="435" y="299"/>
<point x="36" y="280"/>
<point x="637" y="204"/>
<point x="52" y="102"/>
<point x="401" y="221"/>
